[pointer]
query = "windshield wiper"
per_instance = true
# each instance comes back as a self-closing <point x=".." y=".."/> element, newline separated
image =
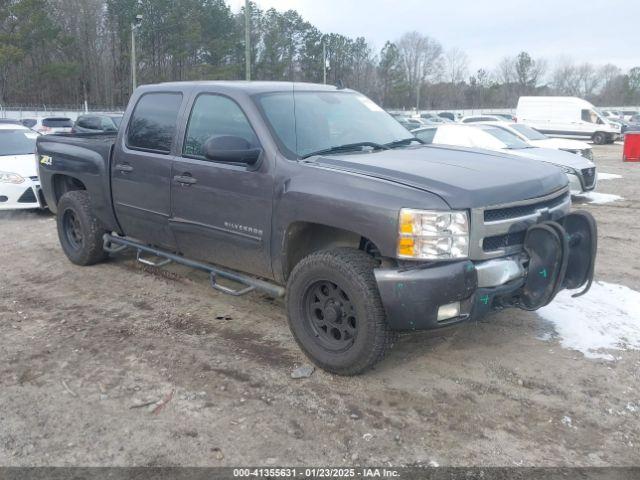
<point x="346" y="147"/>
<point x="404" y="142"/>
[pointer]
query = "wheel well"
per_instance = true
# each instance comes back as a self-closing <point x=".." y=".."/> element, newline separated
<point x="304" y="238"/>
<point x="63" y="184"/>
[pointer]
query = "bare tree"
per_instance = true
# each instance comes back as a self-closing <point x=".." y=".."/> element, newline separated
<point x="456" y="64"/>
<point x="420" y="57"/>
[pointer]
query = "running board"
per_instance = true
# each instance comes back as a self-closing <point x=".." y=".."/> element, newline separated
<point x="114" y="244"/>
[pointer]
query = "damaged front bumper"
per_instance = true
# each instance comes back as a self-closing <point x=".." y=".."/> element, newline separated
<point x="555" y="256"/>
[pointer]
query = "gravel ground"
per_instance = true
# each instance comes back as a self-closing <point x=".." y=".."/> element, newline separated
<point x="122" y="365"/>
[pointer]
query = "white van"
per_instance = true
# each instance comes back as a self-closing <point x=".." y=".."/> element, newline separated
<point x="568" y="117"/>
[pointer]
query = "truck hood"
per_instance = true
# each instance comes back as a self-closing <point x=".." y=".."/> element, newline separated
<point x="23" y="165"/>
<point x="462" y="177"/>
<point x="555" y="157"/>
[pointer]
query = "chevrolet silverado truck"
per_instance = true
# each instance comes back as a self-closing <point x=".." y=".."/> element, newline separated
<point x="314" y="193"/>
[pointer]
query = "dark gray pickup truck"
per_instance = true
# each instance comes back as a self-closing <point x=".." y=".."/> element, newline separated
<point x="315" y="193"/>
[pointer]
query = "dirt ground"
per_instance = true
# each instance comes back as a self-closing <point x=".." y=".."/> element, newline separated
<point x="81" y="349"/>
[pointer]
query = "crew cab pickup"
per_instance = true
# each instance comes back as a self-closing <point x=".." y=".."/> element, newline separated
<point x="314" y="193"/>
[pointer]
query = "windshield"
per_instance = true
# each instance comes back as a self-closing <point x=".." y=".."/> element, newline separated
<point x="305" y="122"/>
<point x="17" y="142"/>
<point x="528" y="132"/>
<point x="509" y="139"/>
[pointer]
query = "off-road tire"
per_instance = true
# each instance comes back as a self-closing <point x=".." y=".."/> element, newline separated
<point x="599" y="138"/>
<point x="85" y="248"/>
<point x="352" y="272"/>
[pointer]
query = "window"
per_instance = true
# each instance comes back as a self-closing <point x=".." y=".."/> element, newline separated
<point x="153" y="123"/>
<point x="507" y="138"/>
<point x="17" y="142"/>
<point x="426" y="135"/>
<point x="325" y="119"/>
<point x="57" y="122"/>
<point x="528" y="132"/>
<point x="92" y="123"/>
<point x="212" y="116"/>
<point x="590" y="116"/>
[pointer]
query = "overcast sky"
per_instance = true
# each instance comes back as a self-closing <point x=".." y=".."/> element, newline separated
<point x="598" y="31"/>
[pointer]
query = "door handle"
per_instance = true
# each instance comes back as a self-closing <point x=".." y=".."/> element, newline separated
<point x="185" y="180"/>
<point x="124" y="167"/>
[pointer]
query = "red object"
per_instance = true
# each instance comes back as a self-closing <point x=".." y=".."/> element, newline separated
<point x="631" y="150"/>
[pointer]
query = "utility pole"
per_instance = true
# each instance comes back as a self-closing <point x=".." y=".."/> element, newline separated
<point x="247" y="39"/>
<point x="324" y="62"/>
<point x="134" y="26"/>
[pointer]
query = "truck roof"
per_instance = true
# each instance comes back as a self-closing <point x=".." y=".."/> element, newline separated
<point x="250" y="87"/>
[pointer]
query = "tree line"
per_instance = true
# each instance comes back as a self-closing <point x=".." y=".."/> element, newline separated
<point x="66" y="52"/>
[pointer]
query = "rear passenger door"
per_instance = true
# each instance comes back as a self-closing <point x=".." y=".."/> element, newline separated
<point x="141" y="169"/>
<point x="223" y="215"/>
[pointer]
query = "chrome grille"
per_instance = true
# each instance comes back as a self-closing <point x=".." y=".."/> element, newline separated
<point x="522" y="210"/>
<point x="499" y="230"/>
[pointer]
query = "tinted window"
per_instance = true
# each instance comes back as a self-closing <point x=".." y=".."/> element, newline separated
<point x="17" y="142"/>
<point x="153" y="122"/>
<point x="212" y="116"/>
<point x="92" y="123"/>
<point x="116" y="121"/>
<point x="57" y="122"/>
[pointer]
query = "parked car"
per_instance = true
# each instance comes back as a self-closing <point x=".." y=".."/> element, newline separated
<point x="316" y="191"/>
<point x="537" y="139"/>
<point x="483" y="118"/>
<point x="19" y="185"/>
<point x="410" y="122"/>
<point x="29" y="122"/>
<point x="448" y="115"/>
<point x="635" y="118"/>
<point x="97" y="123"/>
<point x="580" y="171"/>
<point x="568" y="117"/>
<point x="627" y="114"/>
<point x="49" y="125"/>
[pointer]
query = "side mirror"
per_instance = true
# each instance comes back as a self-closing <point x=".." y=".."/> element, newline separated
<point x="229" y="148"/>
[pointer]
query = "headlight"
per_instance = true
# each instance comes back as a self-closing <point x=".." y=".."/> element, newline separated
<point x="433" y="235"/>
<point x="7" y="177"/>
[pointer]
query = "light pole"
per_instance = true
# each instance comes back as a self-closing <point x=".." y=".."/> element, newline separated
<point x="247" y="39"/>
<point x="324" y="62"/>
<point x="134" y="26"/>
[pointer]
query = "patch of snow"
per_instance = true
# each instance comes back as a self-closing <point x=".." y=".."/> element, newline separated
<point x="608" y="176"/>
<point x="606" y="318"/>
<point x="599" y="198"/>
<point x="566" y="421"/>
<point x="433" y="463"/>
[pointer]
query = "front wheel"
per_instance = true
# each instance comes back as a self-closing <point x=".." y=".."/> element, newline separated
<point x="335" y="312"/>
<point x="79" y="230"/>
<point x="599" y="138"/>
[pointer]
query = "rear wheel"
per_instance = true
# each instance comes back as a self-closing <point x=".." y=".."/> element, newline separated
<point x="79" y="230"/>
<point x="335" y="312"/>
<point x="599" y="138"/>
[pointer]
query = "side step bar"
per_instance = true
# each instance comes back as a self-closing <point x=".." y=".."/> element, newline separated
<point x="114" y="244"/>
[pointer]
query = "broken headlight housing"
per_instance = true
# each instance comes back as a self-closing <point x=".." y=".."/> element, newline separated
<point x="432" y="234"/>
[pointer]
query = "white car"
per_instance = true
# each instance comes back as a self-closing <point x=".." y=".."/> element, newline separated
<point x="537" y="139"/>
<point x="580" y="171"/>
<point x="19" y="184"/>
<point x="49" y="125"/>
